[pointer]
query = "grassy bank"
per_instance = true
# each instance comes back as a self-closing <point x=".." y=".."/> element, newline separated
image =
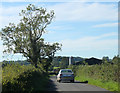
<point x="23" y="78"/>
<point x="104" y="75"/>
<point x="110" y="85"/>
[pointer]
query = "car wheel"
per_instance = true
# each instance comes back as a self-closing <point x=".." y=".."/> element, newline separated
<point x="72" y="81"/>
<point x="59" y="81"/>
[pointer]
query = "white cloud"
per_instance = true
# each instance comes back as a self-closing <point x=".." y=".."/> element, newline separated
<point x="10" y="15"/>
<point x="85" y="11"/>
<point x="90" y="43"/>
<point x="9" y="19"/>
<point x="108" y="35"/>
<point x="12" y="10"/>
<point x="106" y="25"/>
<point x="66" y="12"/>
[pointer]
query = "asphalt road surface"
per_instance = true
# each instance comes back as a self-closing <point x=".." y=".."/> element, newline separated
<point x="76" y="86"/>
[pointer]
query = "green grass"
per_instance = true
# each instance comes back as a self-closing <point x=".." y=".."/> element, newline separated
<point x="110" y="85"/>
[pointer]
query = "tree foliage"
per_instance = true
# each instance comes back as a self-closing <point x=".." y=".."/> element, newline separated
<point x="64" y="62"/>
<point x="116" y="60"/>
<point x="26" y="36"/>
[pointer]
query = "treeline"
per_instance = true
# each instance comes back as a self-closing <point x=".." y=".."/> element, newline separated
<point x="45" y="63"/>
<point x="63" y="61"/>
<point x="21" y="62"/>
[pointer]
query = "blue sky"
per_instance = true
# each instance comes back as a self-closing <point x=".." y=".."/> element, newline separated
<point x="85" y="29"/>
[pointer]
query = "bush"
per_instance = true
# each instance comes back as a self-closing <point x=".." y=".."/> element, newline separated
<point x="23" y="78"/>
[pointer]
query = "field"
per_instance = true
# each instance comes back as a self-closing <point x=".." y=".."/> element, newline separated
<point x="22" y="78"/>
<point x="105" y="75"/>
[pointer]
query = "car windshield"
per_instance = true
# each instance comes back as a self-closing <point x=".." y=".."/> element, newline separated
<point x="66" y="71"/>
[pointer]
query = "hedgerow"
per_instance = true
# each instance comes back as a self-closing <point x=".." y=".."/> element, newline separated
<point x="104" y="73"/>
<point x="22" y="78"/>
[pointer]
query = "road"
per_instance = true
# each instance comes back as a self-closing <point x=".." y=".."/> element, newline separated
<point x="76" y="86"/>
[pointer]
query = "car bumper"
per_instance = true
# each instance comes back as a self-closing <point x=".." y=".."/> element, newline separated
<point x="65" y="78"/>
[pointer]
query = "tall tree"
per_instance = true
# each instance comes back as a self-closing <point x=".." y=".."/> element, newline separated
<point x="26" y="37"/>
<point x="64" y="62"/>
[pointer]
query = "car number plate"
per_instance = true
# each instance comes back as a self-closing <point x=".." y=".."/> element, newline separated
<point x="67" y="75"/>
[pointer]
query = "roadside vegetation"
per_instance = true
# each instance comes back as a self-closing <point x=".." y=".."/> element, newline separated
<point x="23" y="78"/>
<point x="104" y="75"/>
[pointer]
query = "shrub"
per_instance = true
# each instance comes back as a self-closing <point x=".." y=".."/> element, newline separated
<point x="23" y="78"/>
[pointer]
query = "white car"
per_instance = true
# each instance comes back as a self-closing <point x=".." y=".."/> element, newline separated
<point x="65" y="75"/>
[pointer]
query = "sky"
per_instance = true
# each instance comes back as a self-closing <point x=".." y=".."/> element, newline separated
<point x="85" y="29"/>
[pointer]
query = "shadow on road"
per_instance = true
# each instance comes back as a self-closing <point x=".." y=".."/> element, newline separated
<point x="84" y="82"/>
<point x="51" y="86"/>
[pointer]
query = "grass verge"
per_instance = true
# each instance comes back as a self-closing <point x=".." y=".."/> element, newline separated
<point x="109" y="85"/>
